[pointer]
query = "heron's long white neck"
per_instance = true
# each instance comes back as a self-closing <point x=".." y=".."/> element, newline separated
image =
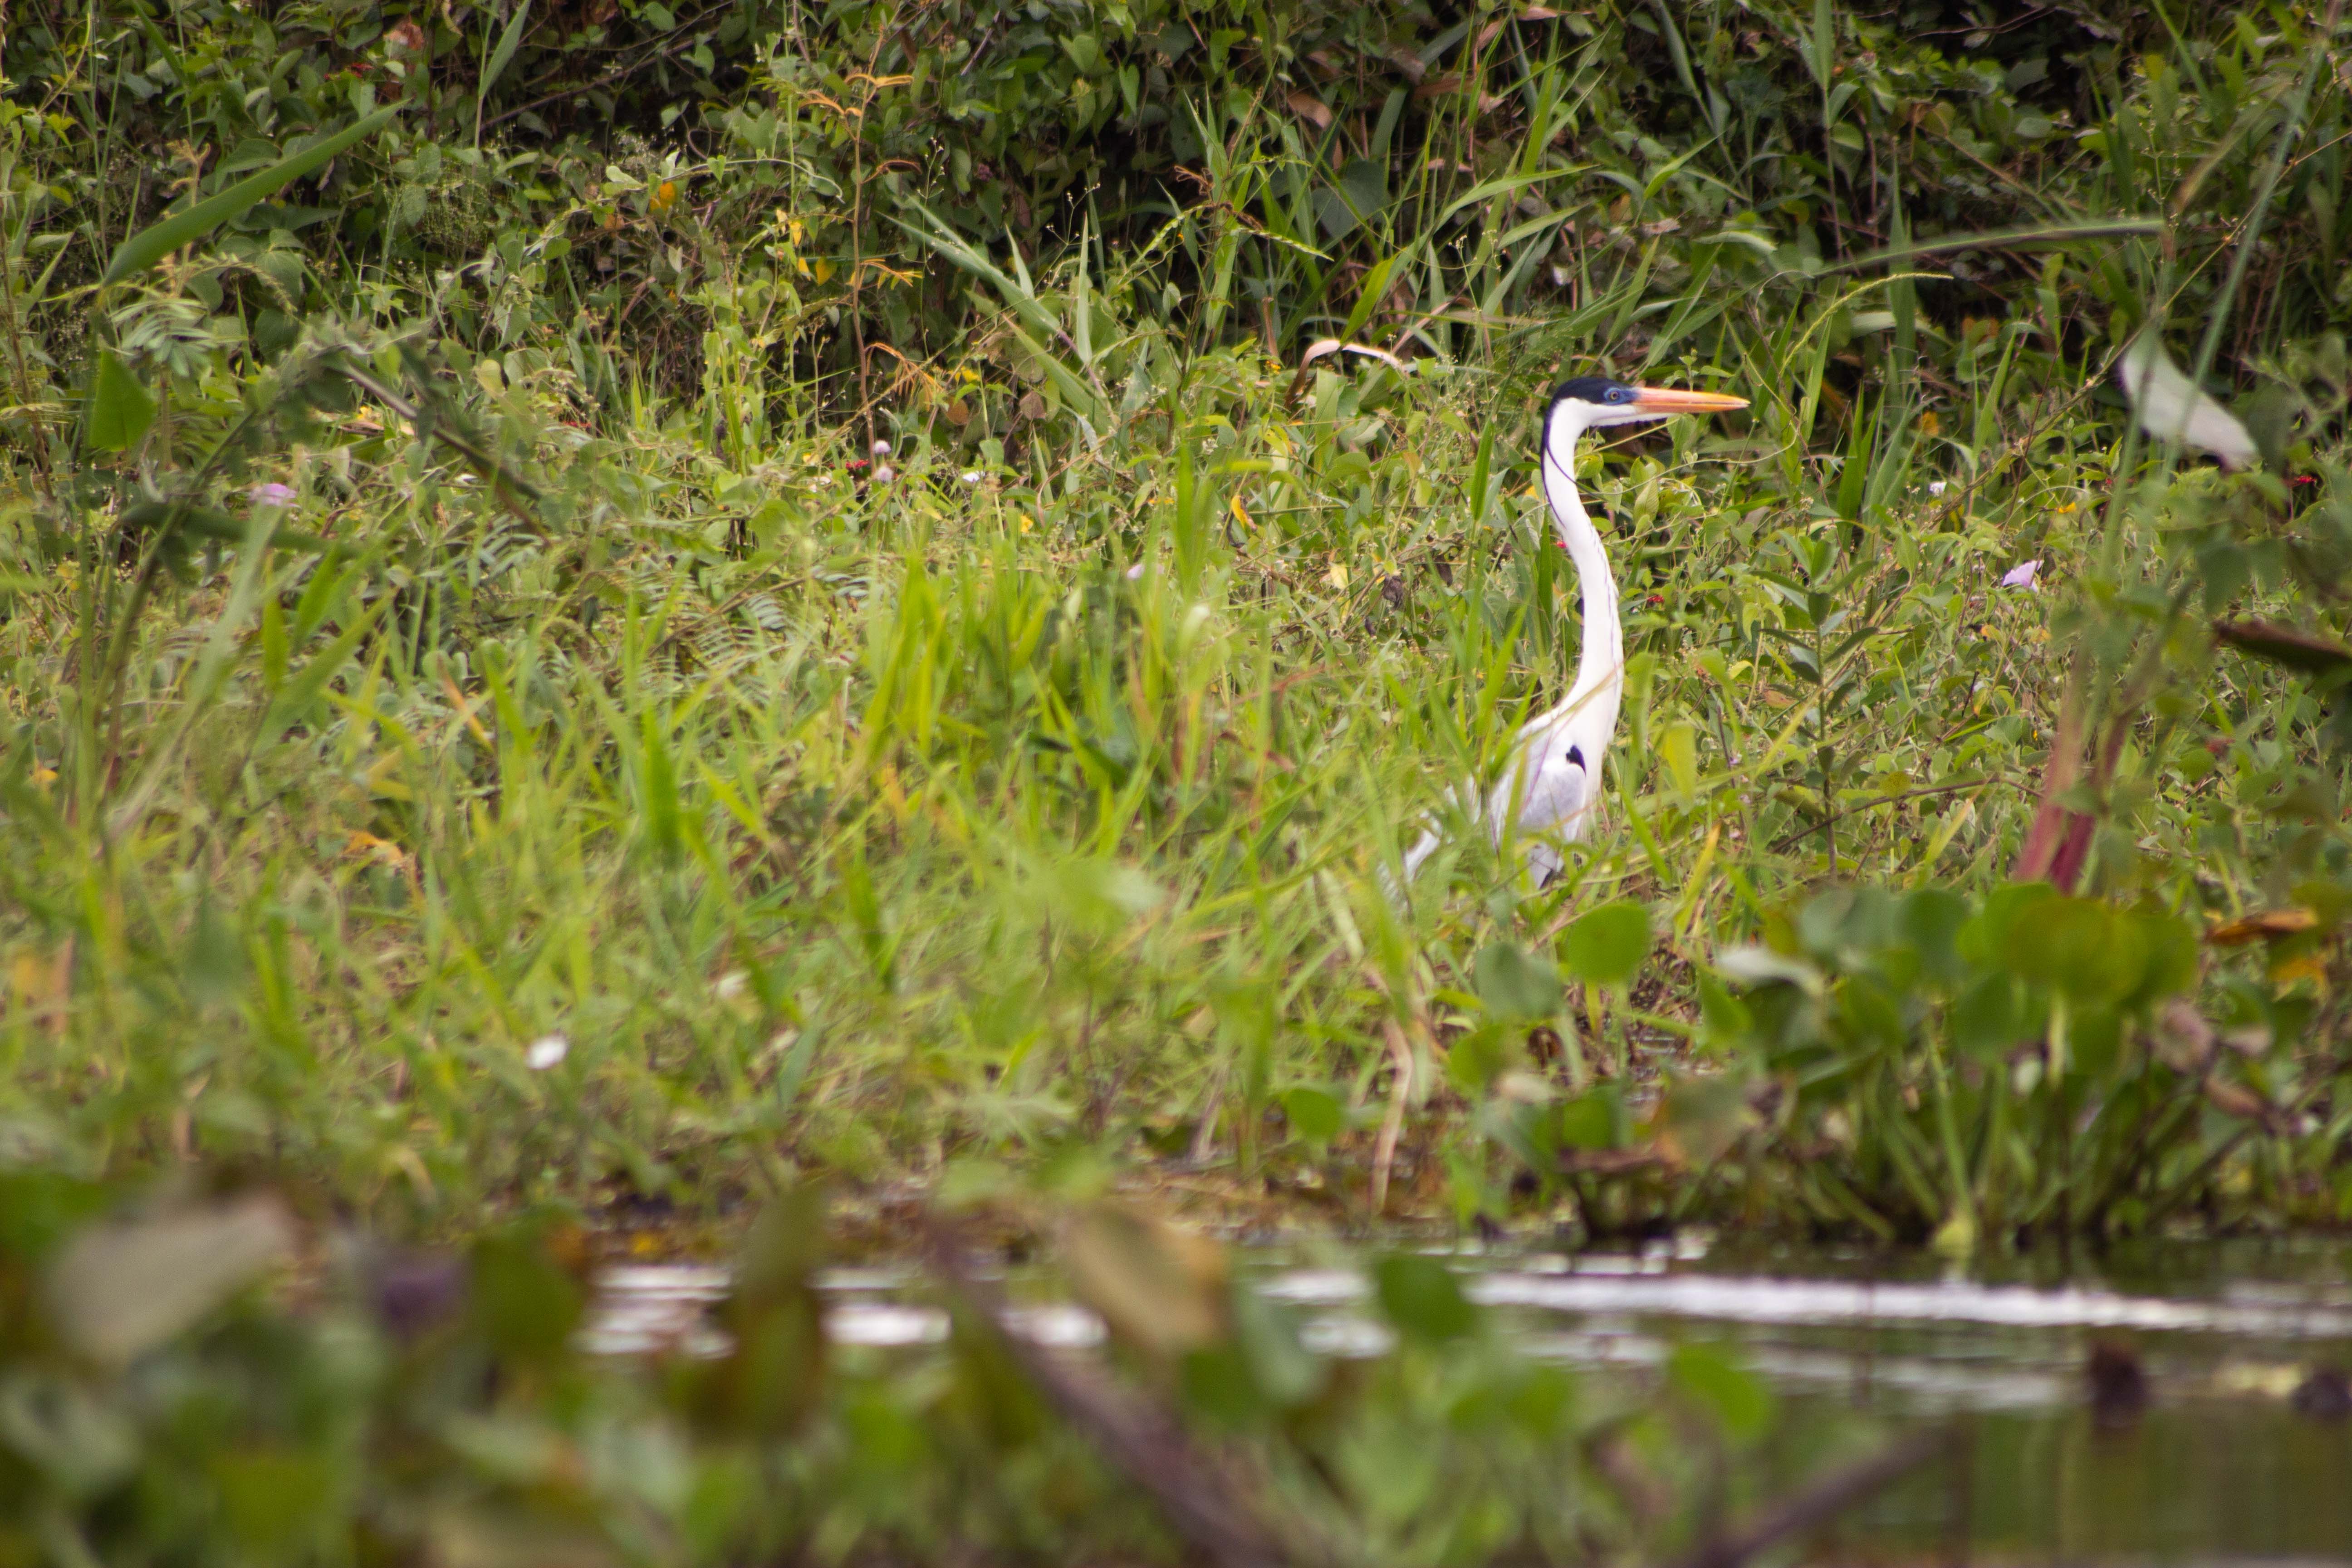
<point x="1600" y="664"/>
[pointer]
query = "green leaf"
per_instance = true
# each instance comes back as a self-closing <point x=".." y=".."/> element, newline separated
<point x="524" y="1302"/>
<point x="119" y="408"/>
<point x="1930" y="921"/>
<point x="1607" y="945"/>
<point x="1478" y="1056"/>
<point x="1315" y="1114"/>
<point x="2078" y="946"/>
<point x="1593" y="1121"/>
<point x="1266" y="1334"/>
<point x="1512" y="985"/>
<point x="1423" y="1299"/>
<point x="509" y="41"/>
<point x="1985" y="1018"/>
<point x="2171" y="955"/>
<point x="1734" y="1395"/>
<point x="158" y="240"/>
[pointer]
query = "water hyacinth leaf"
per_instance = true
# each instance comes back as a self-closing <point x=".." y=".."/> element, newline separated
<point x="1982" y="940"/>
<point x="122" y="1290"/>
<point x="1985" y="1018"/>
<point x="1931" y="923"/>
<point x="2078" y="947"/>
<point x="1734" y="1395"/>
<point x="120" y="410"/>
<point x="158" y="240"/>
<point x="1423" y="1299"/>
<point x="1606" y="946"/>
<point x="1513" y="985"/>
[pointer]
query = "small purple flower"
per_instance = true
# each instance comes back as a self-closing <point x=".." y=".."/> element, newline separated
<point x="271" y="495"/>
<point x="2021" y="576"/>
<point x="885" y="474"/>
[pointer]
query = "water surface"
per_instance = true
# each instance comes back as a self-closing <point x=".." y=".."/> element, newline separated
<point x="2219" y="1466"/>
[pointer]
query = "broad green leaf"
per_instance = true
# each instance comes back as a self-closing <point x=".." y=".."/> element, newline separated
<point x="1607" y="945"/>
<point x="1424" y="1299"/>
<point x="1315" y="1114"/>
<point x="1734" y="1395"/>
<point x="2077" y="946"/>
<point x="120" y="410"/>
<point x="523" y="1301"/>
<point x="1512" y="985"/>
<point x="1985" y="1018"/>
<point x="1930" y="922"/>
<point x="1593" y="1121"/>
<point x="1266" y="1334"/>
<point x="158" y="240"/>
<point x="1478" y="1056"/>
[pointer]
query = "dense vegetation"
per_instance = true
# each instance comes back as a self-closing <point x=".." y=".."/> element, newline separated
<point x="609" y="611"/>
<point x="610" y="607"/>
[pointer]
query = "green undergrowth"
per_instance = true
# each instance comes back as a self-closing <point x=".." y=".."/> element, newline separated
<point x="472" y="746"/>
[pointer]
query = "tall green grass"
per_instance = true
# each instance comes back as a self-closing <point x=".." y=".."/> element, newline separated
<point x="1027" y="806"/>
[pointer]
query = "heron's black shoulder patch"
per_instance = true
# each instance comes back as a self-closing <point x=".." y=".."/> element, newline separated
<point x="1576" y="755"/>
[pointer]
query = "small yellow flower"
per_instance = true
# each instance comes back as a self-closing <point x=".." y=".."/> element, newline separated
<point x="665" y="195"/>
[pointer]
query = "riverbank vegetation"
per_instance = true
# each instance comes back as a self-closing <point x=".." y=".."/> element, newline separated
<point x="614" y="609"/>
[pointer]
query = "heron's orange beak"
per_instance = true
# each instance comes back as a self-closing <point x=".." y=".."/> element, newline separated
<point x="1666" y="400"/>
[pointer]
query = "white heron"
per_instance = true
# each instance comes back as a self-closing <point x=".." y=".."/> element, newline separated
<point x="1551" y="784"/>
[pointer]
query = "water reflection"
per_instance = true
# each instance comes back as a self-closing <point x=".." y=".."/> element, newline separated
<point x="2226" y="1460"/>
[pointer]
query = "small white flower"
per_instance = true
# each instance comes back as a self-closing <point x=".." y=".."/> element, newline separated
<point x="881" y="448"/>
<point x="547" y="1051"/>
<point x="884" y="473"/>
<point x="730" y="985"/>
<point x="972" y="476"/>
<point x="272" y="495"/>
<point x="1135" y="573"/>
<point x="1937" y="486"/>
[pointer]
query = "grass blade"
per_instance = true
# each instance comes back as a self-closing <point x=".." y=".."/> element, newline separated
<point x="158" y="240"/>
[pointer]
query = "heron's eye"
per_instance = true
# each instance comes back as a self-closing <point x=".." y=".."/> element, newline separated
<point x="1621" y="395"/>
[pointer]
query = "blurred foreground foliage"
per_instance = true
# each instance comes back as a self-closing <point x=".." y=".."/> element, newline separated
<point x="607" y="607"/>
<point x="161" y="1401"/>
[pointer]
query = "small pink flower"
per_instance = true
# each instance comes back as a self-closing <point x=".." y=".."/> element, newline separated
<point x="271" y="495"/>
<point x="2021" y="576"/>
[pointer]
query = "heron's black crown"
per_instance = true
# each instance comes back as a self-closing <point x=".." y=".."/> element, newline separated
<point x="1597" y="389"/>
